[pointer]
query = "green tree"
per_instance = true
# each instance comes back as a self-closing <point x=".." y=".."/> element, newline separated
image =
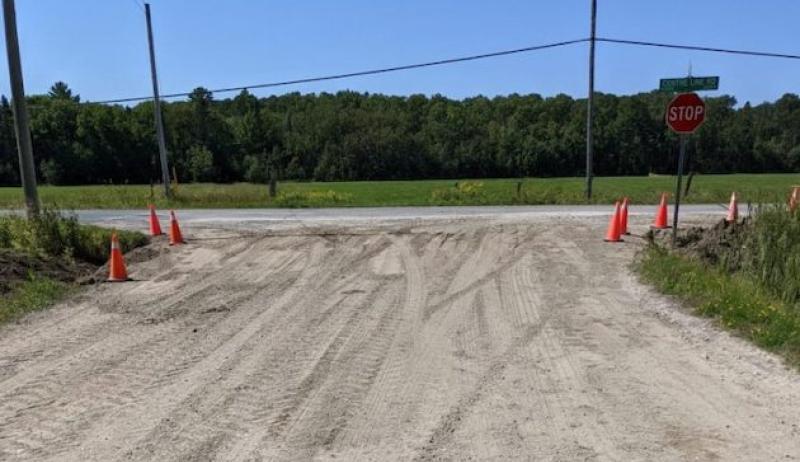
<point x="9" y="165"/>
<point x="201" y="163"/>
<point x="355" y="136"/>
<point x="61" y="91"/>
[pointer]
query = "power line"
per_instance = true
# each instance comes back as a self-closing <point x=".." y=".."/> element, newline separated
<point x="139" y="4"/>
<point x="463" y="59"/>
<point x="359" y="73"/>
<point x="699" y="48"/>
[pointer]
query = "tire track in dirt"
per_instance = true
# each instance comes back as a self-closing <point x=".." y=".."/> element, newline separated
<point x="469" y="297"/>
<point x="318" y="426"/>
<point x="114" y="360"/>
<point x="393" y="378"/>
<point x="443" y="433"/>
<point x="173" y="392"/>
<point x="297" y="401"/>
<point x="524" y="324"/>
<point x="330" y="281"/>
<point x="475" y="263"/>
<point x="429" y="358"/>
<point x="124" y="370"/>
<point x="80" y="342"/>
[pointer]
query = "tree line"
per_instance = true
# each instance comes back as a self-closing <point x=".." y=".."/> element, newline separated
<point x="359" y="136"/>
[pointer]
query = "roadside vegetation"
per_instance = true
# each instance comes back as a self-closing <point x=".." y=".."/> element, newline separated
<point x="746" y="275"/>
<point x="44" y="258"/>
<point x="525" y="191"/>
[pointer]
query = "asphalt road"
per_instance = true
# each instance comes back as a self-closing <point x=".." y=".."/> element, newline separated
<point x="252" y="217"/>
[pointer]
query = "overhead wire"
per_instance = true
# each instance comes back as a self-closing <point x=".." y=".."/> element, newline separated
<point x="766" y="54"/>
<point x="460" y="60"/>
<point x="139" y="4"/>
<point x="358" y="73"/>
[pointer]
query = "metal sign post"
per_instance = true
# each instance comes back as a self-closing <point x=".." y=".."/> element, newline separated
<point x="685" y="113"/>
<point x="681" y="162"/>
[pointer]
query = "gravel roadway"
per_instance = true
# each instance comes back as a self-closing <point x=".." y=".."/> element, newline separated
<point x="515" y="336"/>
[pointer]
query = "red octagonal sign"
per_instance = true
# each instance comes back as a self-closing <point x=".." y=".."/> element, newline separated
<point x="685" y="113"/>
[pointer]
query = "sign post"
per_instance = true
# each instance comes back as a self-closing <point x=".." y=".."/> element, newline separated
<point x="681" y="162"/>
<point x="685" y="113"/>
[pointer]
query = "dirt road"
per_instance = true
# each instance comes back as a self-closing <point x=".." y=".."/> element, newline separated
<point x="478" y="339"/>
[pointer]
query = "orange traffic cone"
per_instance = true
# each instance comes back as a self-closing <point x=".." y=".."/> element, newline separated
<point x="175" y="236"/>
<point x="155" y="225"/>
<point x="661" y="215"/>
<point x="116" y="264"/>
<point x="623" y="217"/>
<point x="613" y="233"/>
<point x="733" y="209"/>
<point x="794" y="199"/>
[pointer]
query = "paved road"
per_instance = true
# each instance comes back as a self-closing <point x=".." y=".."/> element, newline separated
<point x="243" y="217"/>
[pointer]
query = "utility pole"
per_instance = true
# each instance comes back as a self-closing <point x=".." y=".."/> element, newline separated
<point x="590" y="105"/>
<point x="162" y="145"/>
<point x="24" y="146"/>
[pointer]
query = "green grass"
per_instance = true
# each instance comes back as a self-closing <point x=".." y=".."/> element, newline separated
<point x="534" y="191"/>
<point x="32" y="295"/>
<point x="739" y="301"/>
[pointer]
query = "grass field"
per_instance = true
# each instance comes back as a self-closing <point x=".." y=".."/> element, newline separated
<point x="532" y="191"/>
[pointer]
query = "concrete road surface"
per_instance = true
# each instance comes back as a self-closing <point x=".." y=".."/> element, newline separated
<point x="241" y="217"/>
<point x="390" y="334"/>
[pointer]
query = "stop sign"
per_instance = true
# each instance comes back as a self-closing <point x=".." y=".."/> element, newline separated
<point x="685" y="113"/>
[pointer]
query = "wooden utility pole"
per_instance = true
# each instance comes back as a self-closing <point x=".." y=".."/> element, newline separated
<point x="590" y="105"/>
<point x="24" y="146"/>
<point x="162" y="144"/>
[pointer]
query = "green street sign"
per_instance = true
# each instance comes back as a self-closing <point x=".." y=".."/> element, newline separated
<point x="687" y="84"/>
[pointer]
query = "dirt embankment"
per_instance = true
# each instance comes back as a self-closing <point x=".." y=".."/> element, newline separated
<point x="714" y="244"/>
<point x="17" y="267"/>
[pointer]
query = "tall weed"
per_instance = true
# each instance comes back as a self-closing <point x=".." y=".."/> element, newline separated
<point x="771" y="251"/>
<point x="52" y="234"/>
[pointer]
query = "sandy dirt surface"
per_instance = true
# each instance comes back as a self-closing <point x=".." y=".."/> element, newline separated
<point x="452" y="339"/>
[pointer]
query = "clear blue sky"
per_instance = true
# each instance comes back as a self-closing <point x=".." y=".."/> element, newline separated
<point x="99" y="46"/>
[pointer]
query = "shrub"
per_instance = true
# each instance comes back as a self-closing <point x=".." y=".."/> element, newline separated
<point x="201" y="163"/>
<point x="47" y="234"/>
<point x="255" y="169"/>
<point x="461" y="192"/>
<point x="771" y="251"/>
<point x="93" y="243"/>
<point x="311" y="199"/>
<point x="52" y="235"/>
